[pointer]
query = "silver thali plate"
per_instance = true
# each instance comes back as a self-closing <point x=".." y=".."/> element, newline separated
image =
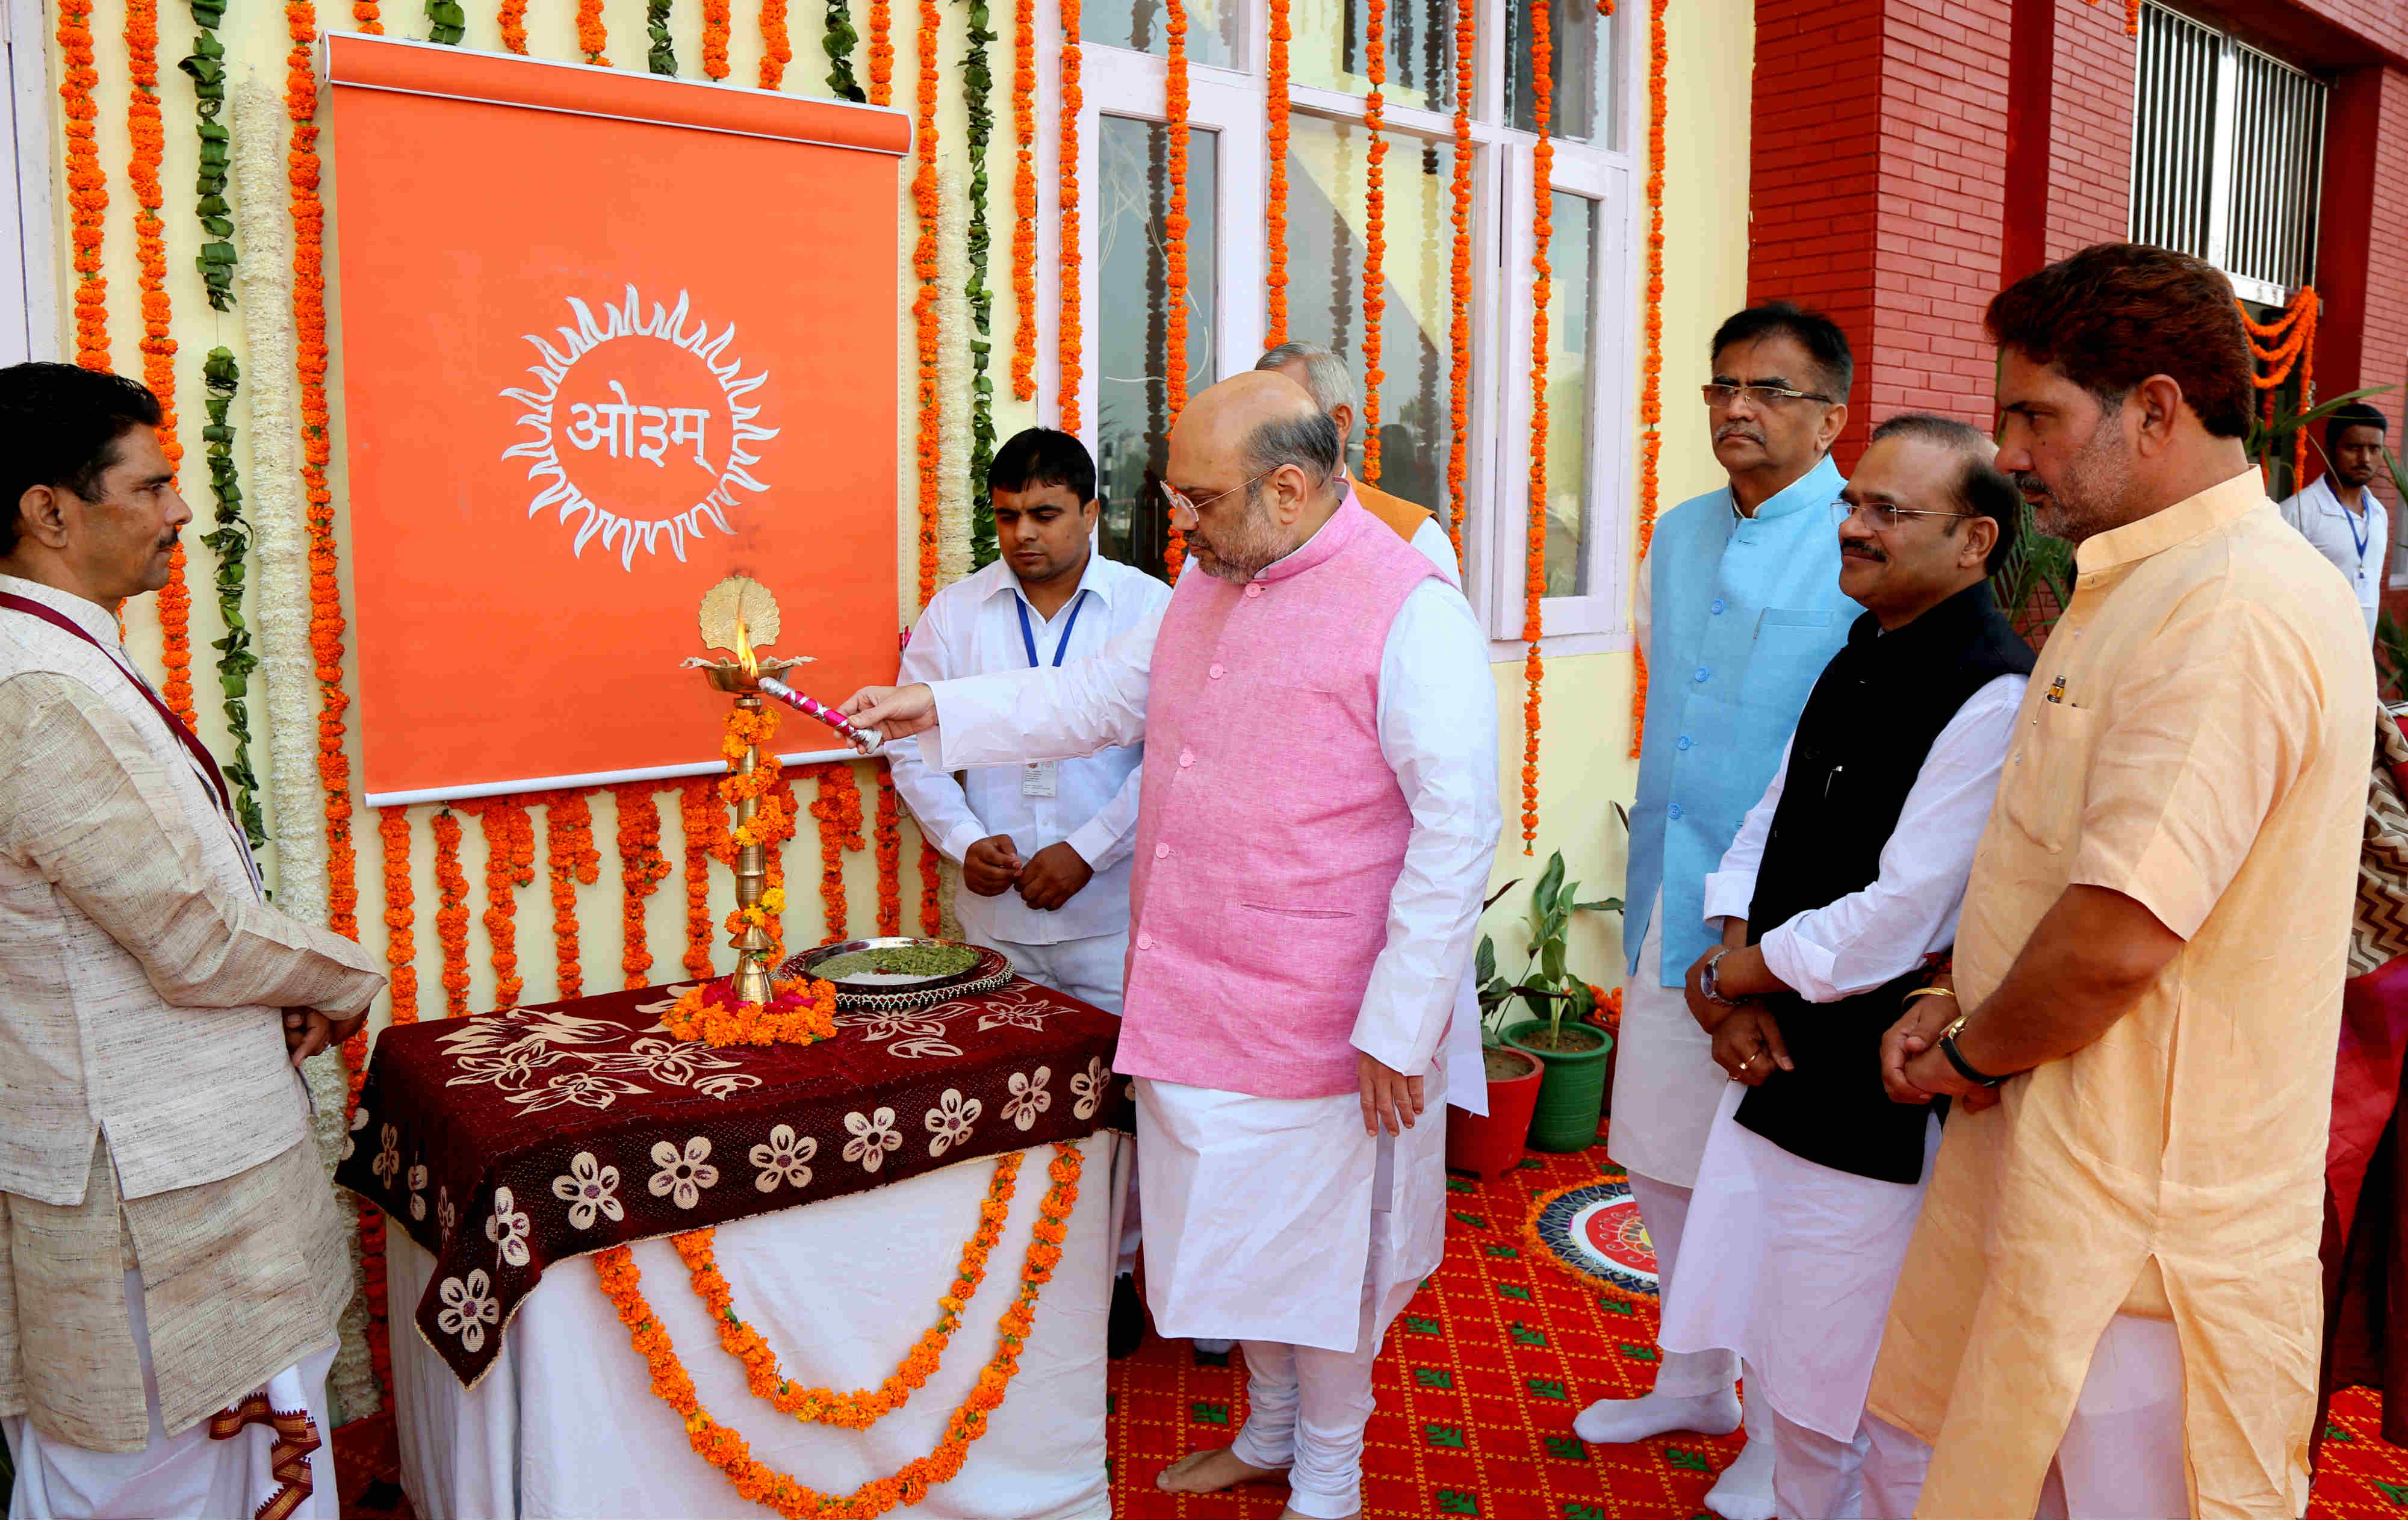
<point x="890" y="993"/>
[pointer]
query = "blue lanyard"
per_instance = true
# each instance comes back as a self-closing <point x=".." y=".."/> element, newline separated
<point x="1028" y="640"/>
<point x="2359" y="524"/>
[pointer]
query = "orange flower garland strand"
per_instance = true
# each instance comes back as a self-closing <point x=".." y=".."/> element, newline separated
<point x="715" y="23"/>
<point x="838" y="812"/>
<point x="2289" y="343"/>
<point x="923" y="306"/>
<point x="317" y="443"/>
<point x="591" y="36"/>
<point x="1458" y="449"/>
<point x="1024" y="201"/>
<point x="1275" y="105"/>
<point x="882" y="53"/>
<point x="777" y="50"/>
<point x="452" y="913"/>
<point x="1542" y="288"/>
<point x="364" y="16"/>
<point x="513" y="22"/>
<point x="863" y="1407"/>
<point x="571" y="859"/>
<point x="510" y="864"/>
<point x="641" y="870"/>
<point x="1069" y="333"/>
<point x="1375" y="241"/>
<point x="932" y="911"/>
<point x="400" y="915"/>
<point x="1174" y="253"/>
<point x="889" y="838"/>
<point x="725" y="1449"/>
<point x="705" y="823"/>
<point x="87" y="182"/>
<point x="148" y="133"/>
<point x="1651" y="385"/>
<point x="800" y="1012"/>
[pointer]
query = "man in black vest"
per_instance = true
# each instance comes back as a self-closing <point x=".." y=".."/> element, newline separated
<point x="1841" y="889"/>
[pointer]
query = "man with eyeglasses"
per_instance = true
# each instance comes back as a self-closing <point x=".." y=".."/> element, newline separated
<point x="1738" y="607"/>
<point x="1842" y="888"/>
<point x="1318" y="819"/>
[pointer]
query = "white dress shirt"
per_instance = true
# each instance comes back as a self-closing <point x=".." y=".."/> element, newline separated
<point x="1437" y="718"/>
<point x="1867" y="937"/>
<point x="973" y="628"/>
<point x="2358" y="544"/>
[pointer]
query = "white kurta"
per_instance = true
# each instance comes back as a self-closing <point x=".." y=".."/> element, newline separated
<point x="1266" y="1218"/>
<point x="2358" y="544"/>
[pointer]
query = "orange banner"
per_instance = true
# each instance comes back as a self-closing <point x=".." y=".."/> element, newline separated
<point x="605" y="339"/>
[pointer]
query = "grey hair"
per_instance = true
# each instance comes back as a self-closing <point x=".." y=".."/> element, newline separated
<point x="1308" y="442"/>
<point x="1326" y="379"/>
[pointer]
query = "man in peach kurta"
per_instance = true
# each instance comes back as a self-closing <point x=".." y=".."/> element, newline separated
<point x="2110" y="1304"/>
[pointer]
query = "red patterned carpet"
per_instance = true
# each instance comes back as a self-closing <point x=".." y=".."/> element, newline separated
<point x="1478" y="1387"/>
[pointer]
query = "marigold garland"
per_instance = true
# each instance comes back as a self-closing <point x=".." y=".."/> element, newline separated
<point x="365" y="16"/>
<point x="838" y="812"/>
<point x="451" y="912"/>
<point x="889" y="840"/>
<point x="706" y="821"/>
<point x="776" y="48"/>
<point x="1596" y="1282"/>
<point x="715" y="25"/>
<point x="932" y="876"/>
<point x="800" y="1012"/>
<point x="1651" y="390"/>
<point x="513" y="22"/>
<point x="2289" y="344"/>
<point x="866" y="1406"/>
<point x="1023" y="200"/>
<point x="87" y="182"/>
<point x="148" y="132"/>
<point x="1458" y="451"/>
<point x="621" y="1282"/>
<point x="592" y="34"/>
<point x="1375" y="240"/>
<point x="510" y="864"/>
<point x="571" y="859"/>
<point x="317" y="443"/>
<point x="1542" y="288"/>
<point x="641" y="870"/>
<point x="1069" y="333"/>
<point x="923" y="305"/>
<point x="1275" y="134"/>
<point x="400" y="915"/>
<point x="1174" y="254"/>
<point x="882" y="53"/>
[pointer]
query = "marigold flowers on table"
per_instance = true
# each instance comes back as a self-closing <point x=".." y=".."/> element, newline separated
<point x="800" y="1012"/>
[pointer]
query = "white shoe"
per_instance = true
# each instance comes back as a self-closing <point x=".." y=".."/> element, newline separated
<point x="1744" y="1491"/>
<point x="1618" y="1422"/>
<point x="1214" y="1348"/>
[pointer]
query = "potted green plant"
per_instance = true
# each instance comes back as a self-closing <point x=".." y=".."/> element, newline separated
<point x="1572" y="1052"/>
<point x="1491" y="1143"/>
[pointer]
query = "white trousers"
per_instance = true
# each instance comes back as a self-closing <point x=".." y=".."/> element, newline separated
<point x="1682" y="1374"/>
<point x="2121" y="1457"/>
<point x="1306" y="1410"/>
<point x="1814" y="1477"/>
<point x="186" y="1476"/>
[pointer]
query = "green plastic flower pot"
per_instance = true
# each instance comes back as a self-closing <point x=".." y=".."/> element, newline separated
<point x="1571" y="1095"/>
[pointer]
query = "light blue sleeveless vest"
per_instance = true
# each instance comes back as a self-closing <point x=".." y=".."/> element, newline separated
<point x="1744" y="613"/>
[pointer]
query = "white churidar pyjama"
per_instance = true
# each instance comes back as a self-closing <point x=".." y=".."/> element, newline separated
<point x="184" y="1476"/>
<point x="2121" y="1457"/>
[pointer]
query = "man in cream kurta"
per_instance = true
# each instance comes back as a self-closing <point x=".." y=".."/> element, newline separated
<point x="1300" y="1225"/>
<point x="2110" y="1306"/>
<point x="171" y="1246"/>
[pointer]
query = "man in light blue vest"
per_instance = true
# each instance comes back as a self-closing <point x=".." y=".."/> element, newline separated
<point x="1738" y="609"/>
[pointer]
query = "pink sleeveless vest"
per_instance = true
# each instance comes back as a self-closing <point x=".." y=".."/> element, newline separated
<point x="1270" y="831"/>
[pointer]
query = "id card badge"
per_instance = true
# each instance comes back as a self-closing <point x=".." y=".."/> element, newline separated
<point x="1036" y="777"/>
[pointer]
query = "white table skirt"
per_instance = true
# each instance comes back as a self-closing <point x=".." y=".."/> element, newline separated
<point x="566" y="1426"/>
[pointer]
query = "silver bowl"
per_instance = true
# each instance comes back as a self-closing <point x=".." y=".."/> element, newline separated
<point x="990" y="971"/>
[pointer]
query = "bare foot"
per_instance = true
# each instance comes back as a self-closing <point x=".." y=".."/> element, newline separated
<point x="1208" y="1472"/>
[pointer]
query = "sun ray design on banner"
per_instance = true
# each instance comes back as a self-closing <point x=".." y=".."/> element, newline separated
<point x="619" y="422"/>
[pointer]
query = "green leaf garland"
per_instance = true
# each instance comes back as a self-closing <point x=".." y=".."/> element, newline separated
<point x="231" y="543"/>
<point x="663" y="58"/>
<point x="206" y="66"/>
<point x="838" y="44"/>
<point x="446" y="23"/>
<point x="978" y="87"/>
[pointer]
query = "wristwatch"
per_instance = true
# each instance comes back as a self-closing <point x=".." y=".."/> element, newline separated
<point x="1965" y="1068"/>
<point x="1709" y="986"/>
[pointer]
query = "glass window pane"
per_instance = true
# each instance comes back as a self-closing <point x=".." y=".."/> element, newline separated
<point x="1325" y="255"/>
<point x="1572" y="348"/>
<point x="1215" y="29"/>
<point x="1329" y="51"/>
<point x="1132" y="415"/>
<point x="1585" y="103"/>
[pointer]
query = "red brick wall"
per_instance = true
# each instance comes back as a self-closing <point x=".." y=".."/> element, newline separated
<point x="2382" y="23"/>
<point x="2362" y="245"/>
<point x="2089" y="130"/>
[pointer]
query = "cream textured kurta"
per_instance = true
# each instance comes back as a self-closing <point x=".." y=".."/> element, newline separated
<point x="2193" y="737"/>
<point x="142" y="1060"/>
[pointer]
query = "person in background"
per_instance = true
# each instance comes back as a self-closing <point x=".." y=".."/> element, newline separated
<point x="1738" y="609"/>
<point x="171" y="1260"/>
<point x="2339" y="512"/>
<point x="2110" y="1305"/>
<point x="1326" y="379"/>
<point x="1045" y="847"/>
<point x="1840" y="890"/>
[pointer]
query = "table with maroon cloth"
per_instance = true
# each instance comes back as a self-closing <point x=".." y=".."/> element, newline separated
<point x="504" y="1145"/>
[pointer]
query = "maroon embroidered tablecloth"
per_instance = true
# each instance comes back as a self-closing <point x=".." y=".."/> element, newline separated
<point x="507" y="1142"/>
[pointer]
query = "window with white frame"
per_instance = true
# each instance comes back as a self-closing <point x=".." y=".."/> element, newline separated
<point x="2226" y="142"/>
<point x="1593" y="310"/>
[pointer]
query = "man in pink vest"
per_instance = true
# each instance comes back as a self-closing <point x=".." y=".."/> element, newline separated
<point x="1319" y="812"/>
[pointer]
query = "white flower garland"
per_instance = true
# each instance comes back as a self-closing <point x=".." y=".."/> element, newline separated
<point x="952" y="376"/>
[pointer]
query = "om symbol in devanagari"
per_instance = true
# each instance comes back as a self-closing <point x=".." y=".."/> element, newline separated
<point x="639" y="432"/>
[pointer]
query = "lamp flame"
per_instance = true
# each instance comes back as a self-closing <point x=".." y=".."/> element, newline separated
<point x="744" y="655"/>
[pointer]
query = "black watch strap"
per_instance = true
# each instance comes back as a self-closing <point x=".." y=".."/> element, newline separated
<point x="1964" y="1067"/>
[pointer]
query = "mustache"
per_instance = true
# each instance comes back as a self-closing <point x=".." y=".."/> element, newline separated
<point x="1739" y="430"/>
<point x="1864" y="549"/>
<point x="2027" y="482"/>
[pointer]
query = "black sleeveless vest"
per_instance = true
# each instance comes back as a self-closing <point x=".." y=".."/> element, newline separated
<point x="1862" y="741"/>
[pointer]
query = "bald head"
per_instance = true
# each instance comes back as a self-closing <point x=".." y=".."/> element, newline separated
<point x="1260" y="461"/>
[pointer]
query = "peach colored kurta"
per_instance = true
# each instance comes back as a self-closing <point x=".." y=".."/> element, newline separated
<point x="2195" y="736"/>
